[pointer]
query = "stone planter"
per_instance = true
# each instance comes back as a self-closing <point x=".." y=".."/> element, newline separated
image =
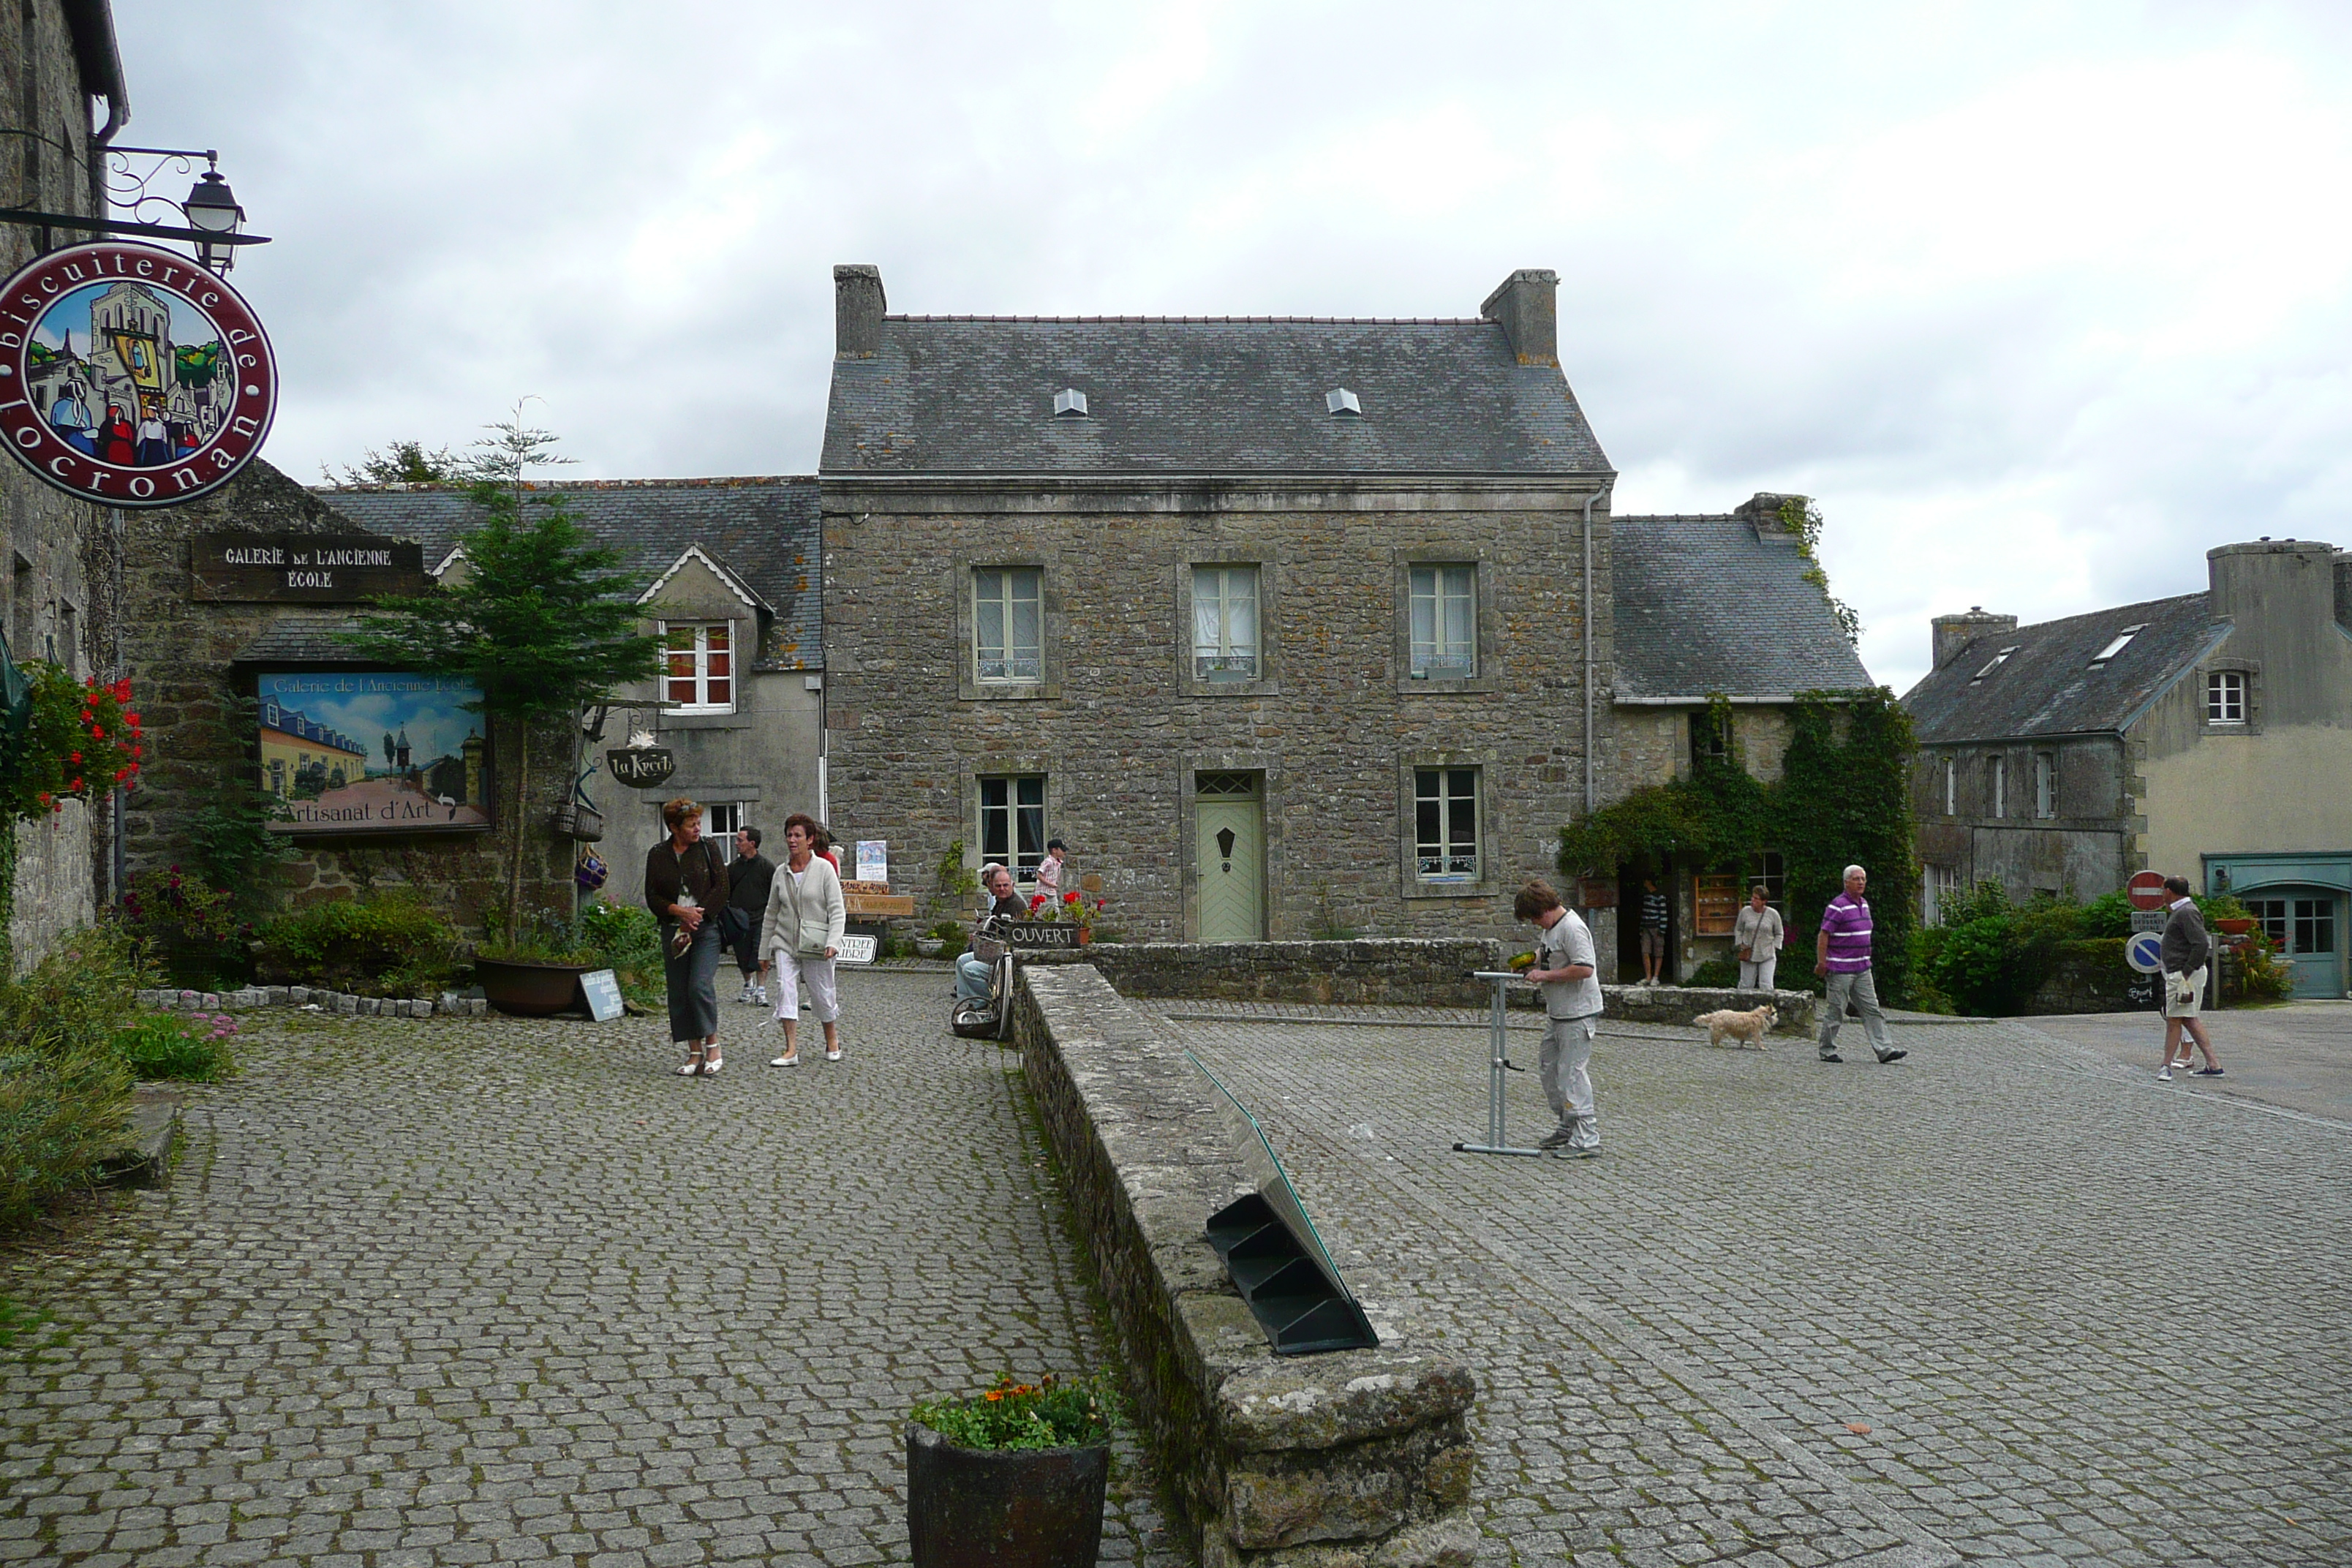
<point x="528" y="988"/>
<point x="930" y="947"/>
<point x="975" y="1508"/>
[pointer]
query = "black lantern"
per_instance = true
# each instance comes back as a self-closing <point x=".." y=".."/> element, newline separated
<point x="211" y="209"/>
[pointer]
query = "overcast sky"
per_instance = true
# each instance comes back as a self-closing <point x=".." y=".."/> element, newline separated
<point x="2041" y="302"/>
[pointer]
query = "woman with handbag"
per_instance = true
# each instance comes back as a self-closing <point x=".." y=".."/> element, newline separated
<point x="686" y="888"/>
<point x="802" y="927"/>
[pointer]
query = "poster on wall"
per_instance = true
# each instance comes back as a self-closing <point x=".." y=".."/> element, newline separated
<point x="374" y="751"/>
<point x="130" y="377"/>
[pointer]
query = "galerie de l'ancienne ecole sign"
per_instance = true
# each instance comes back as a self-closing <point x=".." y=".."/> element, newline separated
<point x="130" y="377"/>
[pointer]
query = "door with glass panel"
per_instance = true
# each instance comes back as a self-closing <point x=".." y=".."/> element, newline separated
<point x="1229" y="851"/>
<point x="2303" y="928"/>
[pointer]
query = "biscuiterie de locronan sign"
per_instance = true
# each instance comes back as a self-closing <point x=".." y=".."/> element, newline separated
<point x="130" y="377"/>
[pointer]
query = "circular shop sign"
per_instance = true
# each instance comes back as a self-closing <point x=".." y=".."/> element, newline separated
<point x="130" y="377"/>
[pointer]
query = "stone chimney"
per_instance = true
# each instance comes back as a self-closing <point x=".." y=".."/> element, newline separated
<point x="1761" y="511"/>
<point x="1953" y="633"/>
<point x="2281" y="582"/>
<point x="857" y="306"/>
<point x="1527" y="306"/>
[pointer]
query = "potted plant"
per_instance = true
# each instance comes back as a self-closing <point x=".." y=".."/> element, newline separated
<point x="536" y="971"/>
<point x="1011" y="1478"/>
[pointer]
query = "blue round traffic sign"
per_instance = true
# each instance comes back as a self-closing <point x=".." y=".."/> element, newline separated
<point x="2145" y="953"/>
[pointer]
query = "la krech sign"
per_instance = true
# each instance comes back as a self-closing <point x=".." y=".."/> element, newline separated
<point x="130" y="377"/>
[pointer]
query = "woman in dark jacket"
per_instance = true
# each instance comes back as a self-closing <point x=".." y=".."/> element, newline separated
<point x="686" y="887"/>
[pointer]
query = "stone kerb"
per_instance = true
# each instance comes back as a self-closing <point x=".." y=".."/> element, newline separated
<point x="1348" y="1459"/>
<point x="343" y="1003"/>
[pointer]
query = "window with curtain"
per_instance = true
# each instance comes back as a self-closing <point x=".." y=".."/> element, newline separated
<point x="1225" y="622"/>
<point x="1444" y="612"/>
<point x="698" y="659"/>
<point x="1008" y="624"/>
<point x="1445" y="824"/>
<point x="1013" y="822"/>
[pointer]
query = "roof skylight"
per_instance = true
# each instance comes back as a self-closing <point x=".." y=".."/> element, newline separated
<point x="1070" y="404"/>
<point x="2123" y="640"/>
<point x="1997" y="660"/>
<point x="1342" y="402"/>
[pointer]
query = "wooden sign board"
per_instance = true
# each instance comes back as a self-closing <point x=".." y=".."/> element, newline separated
<point x="1598" y="892"/>
<point x="603" y="993"/>
<point x="878" y="906"/>
<point x="852" y="888"/>
<point x="303" y="568"/>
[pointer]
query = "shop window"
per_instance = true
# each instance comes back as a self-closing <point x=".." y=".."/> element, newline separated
<point x="700" y="660"/>
<point x="1012" y="823"/>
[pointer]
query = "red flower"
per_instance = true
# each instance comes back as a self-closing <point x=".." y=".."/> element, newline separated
<point x="134" y="718"/>
<point x="1067" y="898"/>
<point x="1038" y="902"/>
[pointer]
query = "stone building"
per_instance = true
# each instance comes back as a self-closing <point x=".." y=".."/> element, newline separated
<point x="2206" y="735"/>
<point x="726" y="571"/>
<point x="57" y="61"/>
<point x="1286" y="626"/>
<point x="1708" y="608"/>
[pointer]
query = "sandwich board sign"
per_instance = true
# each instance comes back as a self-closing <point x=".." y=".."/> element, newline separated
<point x="602" y="990"/>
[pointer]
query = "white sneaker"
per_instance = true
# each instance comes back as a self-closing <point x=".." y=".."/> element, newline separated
<point x="746" y="995"/>
<point x="759" y="994"/>
<point x="2164" y="1074"/>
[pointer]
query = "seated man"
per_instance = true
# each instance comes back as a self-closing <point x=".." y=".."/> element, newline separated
<point x="972" y="975"/>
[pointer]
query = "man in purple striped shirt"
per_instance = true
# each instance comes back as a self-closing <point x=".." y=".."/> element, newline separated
<point x="1843" y="954"/>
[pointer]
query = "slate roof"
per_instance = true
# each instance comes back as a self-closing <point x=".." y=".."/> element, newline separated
<point x="2048" y="687"/>
<point x="974" y="396"/>
<point x="1706" y="604"/>
<point x="303" y="638"/>
<point x="764" y="531"/>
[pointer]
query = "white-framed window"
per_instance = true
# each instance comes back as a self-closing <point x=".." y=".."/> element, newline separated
<point x="1709" y="742"/>
<point x="1942" y="887"/>
<point x="720" y="821"/>
<point x="1770" y="868"/>
<point x="1445" y="622"/>
<point x="699" y="658"/>
<point x="1013" y="822"/>
<point x="1008" y="625"/>
<point x="1951" y="786"/>
<point x="2045" y="783"/>
<point x="1445" y="824"/>
<point x="1225" y="622"/>
<point x="2001" y="786"/>
<point x="2225" y="697"/>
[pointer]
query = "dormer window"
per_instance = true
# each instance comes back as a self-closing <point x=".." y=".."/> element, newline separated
<point x="1070" y="404"/>
<point x="1997" y="660"/>
<point x="1343" y="404"/>
<point x="2122" y="640"/>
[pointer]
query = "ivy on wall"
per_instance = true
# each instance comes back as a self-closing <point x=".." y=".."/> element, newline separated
<point x="1801" y="518"/>
<point x="1843" y="798"/>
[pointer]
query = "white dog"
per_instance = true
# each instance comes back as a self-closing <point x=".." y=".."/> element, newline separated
<point x="1750" y="1026"/>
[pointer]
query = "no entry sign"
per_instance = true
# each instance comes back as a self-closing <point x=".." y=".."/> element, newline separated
<point x="2146" y="891"/>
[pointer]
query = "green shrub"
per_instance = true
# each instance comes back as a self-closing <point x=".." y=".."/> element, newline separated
<point x="626" y="940"/>
<point x="385" y="944"/>
<point x="65" y="1091"/>
<point x="1716" y="972"/>
<point x="1044" y="1415"/>
<point x="191" y="1047"/>
<point x="954" y="937"/>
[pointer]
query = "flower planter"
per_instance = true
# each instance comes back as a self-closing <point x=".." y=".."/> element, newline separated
<point x="2235" y="927"/>
<point x="529" y="989"/>
<point x="1021" y="1508"/>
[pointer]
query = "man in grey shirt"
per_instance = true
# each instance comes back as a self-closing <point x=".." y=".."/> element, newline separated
<point x="1566" y="969"/>
<point x="2186" y="952"/>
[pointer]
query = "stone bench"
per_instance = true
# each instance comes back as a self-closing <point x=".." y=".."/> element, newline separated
<point x="1347" y="1459"/>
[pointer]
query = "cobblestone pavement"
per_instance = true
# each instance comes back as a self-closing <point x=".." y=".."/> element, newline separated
<point x="493" y="1292"/>
<point x="2005" y="1300"/>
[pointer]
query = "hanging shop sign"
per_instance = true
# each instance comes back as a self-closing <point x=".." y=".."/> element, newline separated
<point x="130" y="376"/>
<point x="641" y="767"/>
<point x="374" y="751"/>
<point x="303" y="568"/>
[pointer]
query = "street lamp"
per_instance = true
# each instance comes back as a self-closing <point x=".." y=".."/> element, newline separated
<point x="212" y="210"/>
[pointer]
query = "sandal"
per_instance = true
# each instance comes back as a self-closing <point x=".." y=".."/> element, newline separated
<point x="711" y="1064"/>
<point x="832" y="1055"/>
<point x="693" y="1065"/>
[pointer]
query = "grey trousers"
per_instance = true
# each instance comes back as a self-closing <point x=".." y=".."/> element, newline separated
<point x="1567" y="1083"/>
<point x="693" y="1000"/>
<point x="1863" y="989"/>
<point x="1757" y="976"/>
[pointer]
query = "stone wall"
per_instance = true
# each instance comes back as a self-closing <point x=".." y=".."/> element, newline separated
<point x="1119" y="730"/>
<point x="179" y="652"/>
<point x="1338" y="1460"/>
<point x="56" y="554"/>
<point x="1397" y="971"/>
<point x="2088" y="977"/>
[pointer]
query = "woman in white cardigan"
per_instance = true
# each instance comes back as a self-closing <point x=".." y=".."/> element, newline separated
<point x="805" y="917"/>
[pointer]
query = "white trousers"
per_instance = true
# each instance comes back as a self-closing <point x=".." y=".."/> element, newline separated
<point x="1757" y="976"/>
<point x="814" y="970"/>
<point x="1567" y="1080"/>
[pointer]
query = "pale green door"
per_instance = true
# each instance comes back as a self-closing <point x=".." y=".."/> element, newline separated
<point x="1229" y="838"/>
